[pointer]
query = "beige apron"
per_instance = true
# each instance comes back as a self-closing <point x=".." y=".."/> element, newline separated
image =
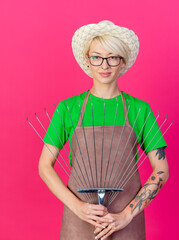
<point x="72" y="227"/>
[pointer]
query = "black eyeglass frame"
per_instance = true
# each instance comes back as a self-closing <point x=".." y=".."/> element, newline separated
<point x="103" y="61"/>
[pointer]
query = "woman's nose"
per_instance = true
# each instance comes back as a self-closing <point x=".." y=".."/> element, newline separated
<point x="105" y="64"/>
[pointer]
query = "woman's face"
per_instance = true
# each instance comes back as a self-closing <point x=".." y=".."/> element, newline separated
<point x="103" y="73"/>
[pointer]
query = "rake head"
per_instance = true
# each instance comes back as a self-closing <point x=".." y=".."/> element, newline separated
<point x="101" y="176"/>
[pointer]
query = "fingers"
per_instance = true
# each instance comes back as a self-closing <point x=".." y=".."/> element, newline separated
<point x="94" y="214"/>
<point x="99" y="219"/>
<point x="97" y="225"/>
<point x="106" y="232"/>
<point x="97" y="210"/>
<point x="107" y="218"/>
<point x="107" y="222"/>
<point x="104" y="220"/>
<point x="97" y="230"/>
<point x="97" y="207"/>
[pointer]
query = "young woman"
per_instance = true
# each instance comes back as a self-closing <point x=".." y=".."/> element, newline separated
<point x="105" y="52"/>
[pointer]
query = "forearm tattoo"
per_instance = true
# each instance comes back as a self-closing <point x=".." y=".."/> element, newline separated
<point x="149" y="191"/>
<point x="161" y="153"/>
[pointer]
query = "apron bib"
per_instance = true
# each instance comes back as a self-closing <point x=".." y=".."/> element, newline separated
<point x="72" y="226"/>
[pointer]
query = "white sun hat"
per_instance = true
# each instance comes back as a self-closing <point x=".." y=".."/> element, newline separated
<point x="87" y="32"/>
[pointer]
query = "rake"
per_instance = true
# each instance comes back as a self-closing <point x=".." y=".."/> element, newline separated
<point x="91" y="179"/>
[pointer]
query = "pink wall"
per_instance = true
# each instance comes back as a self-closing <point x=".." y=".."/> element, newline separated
<point x="35" y="45"/>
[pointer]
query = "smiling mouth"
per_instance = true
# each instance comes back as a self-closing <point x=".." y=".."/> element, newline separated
<point x="105" y="74"/>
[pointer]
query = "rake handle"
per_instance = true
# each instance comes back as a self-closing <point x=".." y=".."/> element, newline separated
<point x="101" y="195"/>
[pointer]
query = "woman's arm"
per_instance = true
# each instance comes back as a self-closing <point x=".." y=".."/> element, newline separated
<point x="87" y="212"/>
<point x="146" y="194"/>
<point x="153" y="185"/>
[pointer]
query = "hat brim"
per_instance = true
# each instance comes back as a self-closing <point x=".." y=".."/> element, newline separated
<point x="85" y="33"/>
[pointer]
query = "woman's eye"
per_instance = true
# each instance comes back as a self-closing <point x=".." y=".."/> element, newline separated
<point x="95" y="58"/>
<point x="113" y="57"/>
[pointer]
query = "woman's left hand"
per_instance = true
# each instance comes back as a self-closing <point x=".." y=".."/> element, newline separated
<point x="118" y="222"/>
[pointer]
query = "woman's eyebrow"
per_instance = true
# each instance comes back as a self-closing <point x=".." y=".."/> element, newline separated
<point x="96" y="52"/>
<point x="101" y="53"/>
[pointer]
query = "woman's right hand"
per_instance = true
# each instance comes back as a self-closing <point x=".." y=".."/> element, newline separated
<point x="91" y="213"/>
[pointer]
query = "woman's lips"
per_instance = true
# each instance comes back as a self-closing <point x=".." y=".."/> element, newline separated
<point x="107" y="74"/>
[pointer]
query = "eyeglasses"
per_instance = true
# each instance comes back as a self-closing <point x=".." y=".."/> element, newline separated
<point x="112" y="61"/>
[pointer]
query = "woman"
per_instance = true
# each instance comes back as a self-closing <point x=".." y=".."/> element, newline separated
<point x="105" y="52"/>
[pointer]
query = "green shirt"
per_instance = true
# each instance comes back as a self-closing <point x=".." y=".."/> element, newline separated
<point x="146" y="133"/>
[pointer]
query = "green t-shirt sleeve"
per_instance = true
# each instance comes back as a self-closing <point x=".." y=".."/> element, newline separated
<point x="152" y="136"/>
<point x="56" y="135"/>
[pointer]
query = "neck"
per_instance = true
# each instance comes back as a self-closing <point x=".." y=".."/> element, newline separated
<point x="105" y="91"/>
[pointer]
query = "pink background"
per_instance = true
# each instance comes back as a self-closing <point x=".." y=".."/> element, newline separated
<point x="37" y="69"/>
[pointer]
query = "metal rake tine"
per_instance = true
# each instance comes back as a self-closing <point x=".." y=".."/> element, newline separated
<point x="119" y="143"/>
<point x="136" y="141"/>
<point x="52" y="140"/>
<point x="142" y="144"/>
<point x="146" y="156"/>
<point x="111" y="145"/>
<point x="58" y="150"/>
<point x="86" y="142"/>
<point x="143" y="153"/>
<point x="55" y="130"/>
<point x="51" y="152"/>
<point x="79" y="148"/>
<point x="102" y="146"/>
<point x="66" y="133"/>
<point x="111" y="194"/>
<point x="147" y="147"/>
<point x="94" y="142"/>
<point x="142" y="161"/>
<point x="70" y="146"/>
<point x="136" y="152"/>
<point x="61" y="144"/>
<point x="125" y="149"/>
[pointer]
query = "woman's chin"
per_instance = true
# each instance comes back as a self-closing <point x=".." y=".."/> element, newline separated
<point x="105" y="79"/>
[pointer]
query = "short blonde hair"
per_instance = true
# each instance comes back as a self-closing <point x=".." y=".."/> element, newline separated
<point x="112" y="44"/>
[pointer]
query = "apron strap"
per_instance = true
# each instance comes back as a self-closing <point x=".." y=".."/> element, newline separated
<point x="83" y="109"/>
<point x="84" y="106"/>
<point x="125" y="109"/>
